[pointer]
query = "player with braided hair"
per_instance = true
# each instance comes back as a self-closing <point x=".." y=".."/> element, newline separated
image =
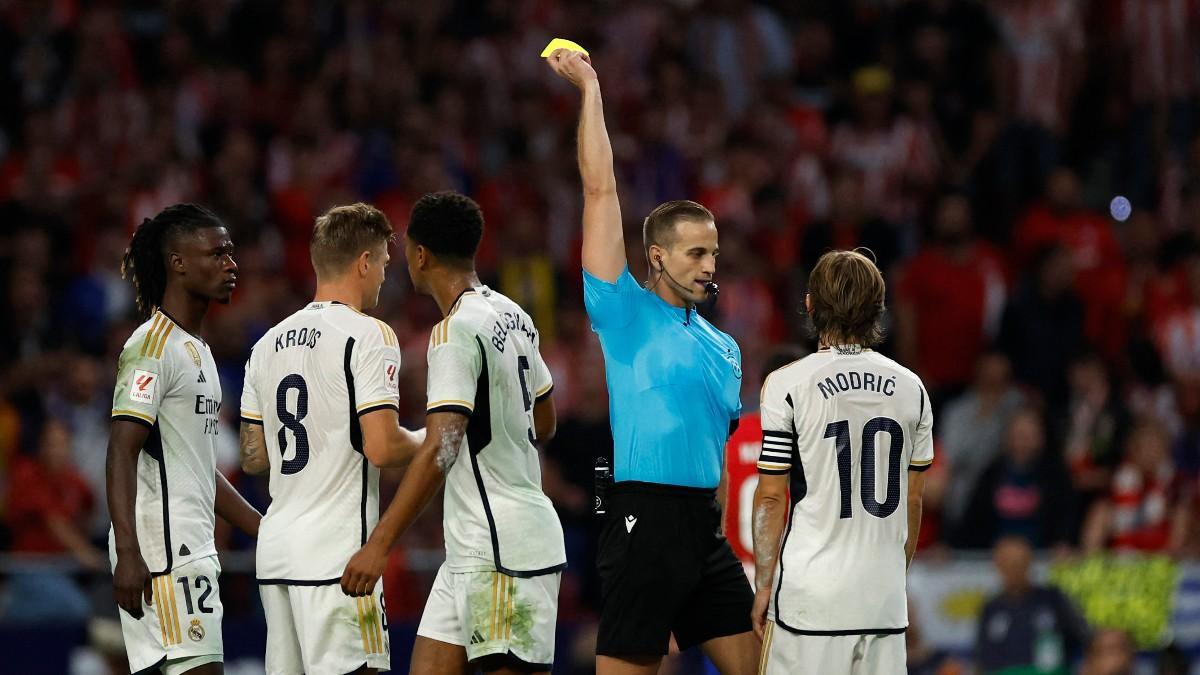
<point x="163" y="486"/>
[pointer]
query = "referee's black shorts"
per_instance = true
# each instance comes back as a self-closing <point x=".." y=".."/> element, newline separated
<point x="666" y="568"/>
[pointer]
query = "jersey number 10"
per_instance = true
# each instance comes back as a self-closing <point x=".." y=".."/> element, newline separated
<point x="840" y="432"/>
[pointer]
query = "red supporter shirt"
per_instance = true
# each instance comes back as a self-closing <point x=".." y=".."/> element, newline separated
<point x="1099" y="266"/>
<point x="955" y="303"/>
<point x="741" y="459"/>
<point x="1142" y="508"/>
<point x="34" y="495"/>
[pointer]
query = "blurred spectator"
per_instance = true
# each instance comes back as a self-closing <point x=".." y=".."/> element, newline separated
<point x="1109" y="653"/>
<point x="949" y="299"/>
<point x="1147" y="507"/>
<point x="1095" y="428"/>
<point x="893" y="154"/>
<point x="1043" y="41"/>
<point x="924" y="659"/>
<point x="1042" y="328"/>
<point x="850" y="225"/>
<point x="1095" y="257"/>
<point x="1022" y="493"/>
<point x="48" y="507"/>
<point x="1026" y="626"/>
<point x="971" y="430"/>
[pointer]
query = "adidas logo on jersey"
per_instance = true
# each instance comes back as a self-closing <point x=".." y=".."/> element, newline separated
<point x="630" y="521"/>
<point x="202" y="379"/>
<point x="476" y="638"/>
<point x="184" y="550"/>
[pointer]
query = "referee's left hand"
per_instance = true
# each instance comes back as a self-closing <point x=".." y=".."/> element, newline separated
<point x="363" y="570"/>
<point x="758" y="615"/>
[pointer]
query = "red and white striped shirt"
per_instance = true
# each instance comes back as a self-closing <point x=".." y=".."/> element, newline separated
<point x="1164" y="47"/>
<point x="1039" y="36"/>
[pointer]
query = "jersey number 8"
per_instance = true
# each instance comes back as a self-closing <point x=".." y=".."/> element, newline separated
<point x="292" y="422"/>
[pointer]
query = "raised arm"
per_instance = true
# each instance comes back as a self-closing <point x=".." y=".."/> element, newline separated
<point x="603" y="238"/>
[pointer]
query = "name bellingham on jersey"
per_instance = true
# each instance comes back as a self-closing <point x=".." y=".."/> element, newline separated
<point x="846" y="424"/>
<point x="484" y="363"/>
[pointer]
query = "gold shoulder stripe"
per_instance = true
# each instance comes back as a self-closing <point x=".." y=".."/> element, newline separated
<point x="148" y="342"/>
<point x="162" y="342"/>
<point x="385" y="331"/>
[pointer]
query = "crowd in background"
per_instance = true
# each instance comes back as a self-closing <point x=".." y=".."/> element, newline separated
<point x="973" y="145"/>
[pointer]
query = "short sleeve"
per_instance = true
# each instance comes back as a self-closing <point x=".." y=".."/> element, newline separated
<point x="251" y="409"/>
<point x="454" y="365"/>
<point x="922" y="456"/>
<point x="777" y="413"/>
<point x="541" y="380"/>
<point x="609" y="304"/>
<point x="376" y="369"/>
<point x="143" y="377"/>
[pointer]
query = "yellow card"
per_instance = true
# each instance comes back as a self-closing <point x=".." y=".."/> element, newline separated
<point x="562" y="43"/>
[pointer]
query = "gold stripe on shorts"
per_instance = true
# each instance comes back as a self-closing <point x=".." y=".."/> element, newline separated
<point x="768" y="633"/>
<point x="495" y="602"/>
<point x="362" y="625"/>
<point x="512" y="596"/>
<point x="170" y="581"/>
<point x="368" y="612"/>
<point x="378" y="622"/>
<point x="158" y="608"/>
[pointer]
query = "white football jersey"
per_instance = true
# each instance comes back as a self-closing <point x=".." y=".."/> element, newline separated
<point x="167" y="380"/>
<point x="307" y="381"/>
<point x="847" y="424"/>
<point x="484" y="362"/>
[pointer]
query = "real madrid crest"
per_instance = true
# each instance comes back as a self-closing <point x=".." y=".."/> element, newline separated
<point x="195" y="355"/>
<point x="195" y="631"/>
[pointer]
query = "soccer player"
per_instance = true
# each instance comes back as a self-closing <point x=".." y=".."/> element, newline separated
<point x="164" y="489"/>
<point x="674" y="384"/>
<point x="320" y="412"/>
<point x="741" y="468"/>
<point x="841" y="428"/>
<point x="494" y="603"/>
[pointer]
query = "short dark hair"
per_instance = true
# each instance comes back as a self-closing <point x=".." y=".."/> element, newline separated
<point x="449" y="224"/>
<point x="659" y="226"/>
<point x="145" y="263"/>
<point x="343" y="233"/>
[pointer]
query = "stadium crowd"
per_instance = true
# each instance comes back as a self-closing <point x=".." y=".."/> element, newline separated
<point x="973" y="146"/>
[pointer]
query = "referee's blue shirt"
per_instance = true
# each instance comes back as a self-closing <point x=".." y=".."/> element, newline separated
<point x="674" y="384"/>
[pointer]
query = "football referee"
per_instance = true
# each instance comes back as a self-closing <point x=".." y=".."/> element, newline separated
<point x="674" y="390"/>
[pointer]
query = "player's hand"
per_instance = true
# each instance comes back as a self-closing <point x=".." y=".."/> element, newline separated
<point x="363" y="570"/>
<point x="574" y="67"/>
<point x="758" y="615"/>
<point x="132" y="583"/>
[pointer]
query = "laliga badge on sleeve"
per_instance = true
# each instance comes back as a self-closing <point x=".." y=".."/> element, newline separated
<point x="141" y="386"/>
<point x="391" y="374"/>
<point x="562" y="43"/>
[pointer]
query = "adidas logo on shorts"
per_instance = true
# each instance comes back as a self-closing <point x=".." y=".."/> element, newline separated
<point x="476" y="638"/>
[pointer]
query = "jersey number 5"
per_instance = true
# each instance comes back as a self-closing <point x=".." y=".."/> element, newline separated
<point x="292" y="422"/>
<point x="840" y="432"/>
